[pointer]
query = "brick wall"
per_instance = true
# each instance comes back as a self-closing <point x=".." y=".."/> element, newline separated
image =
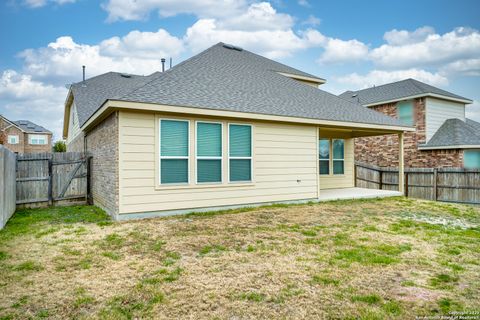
<point x="102" y="144"/>
<point x="35" y="148"/>
<point x="77" y="144"/>
<point x="383" y="150"/>
<point x="14" y="131"/>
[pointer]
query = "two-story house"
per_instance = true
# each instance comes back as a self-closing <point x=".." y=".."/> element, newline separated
<point x="444" y="137"/>
<point x="23" y="136"/>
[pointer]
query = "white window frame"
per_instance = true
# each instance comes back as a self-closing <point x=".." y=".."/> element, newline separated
<point x="208" y="158"/>
<point x="16" y="139"/>
<point x="241" y="158"/>
<point x="327" y="160"/>
<point x="333" y="159"/>
<point x="37" y="138"/>
<point x="160" y="157"/>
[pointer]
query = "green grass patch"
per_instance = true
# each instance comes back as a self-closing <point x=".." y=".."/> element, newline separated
<point x="28" y="266"/>
<point x="317" y="279"/>
<point x="370" y="299"/>
<point x="216" y="248"/>
<point x="447" y="305"/>
<point x="392" y="307"/>
<point x="252" y="296"/>
<point x="443" y="281"/>
<point x="29" y="221"/>
<point x="112" y="255"/>
<point x="82" y="298"/>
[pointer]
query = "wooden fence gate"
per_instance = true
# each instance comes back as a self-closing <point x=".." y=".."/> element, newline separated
<point x="49" y="178"/>
<point x="439" y="184"/>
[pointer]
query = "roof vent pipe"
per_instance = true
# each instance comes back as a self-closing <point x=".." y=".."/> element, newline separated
<point x="163" y="64"/>
<point x="83" y="68"/>
<point x="170" y="63"/>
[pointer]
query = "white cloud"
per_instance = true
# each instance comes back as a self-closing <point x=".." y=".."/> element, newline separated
<point x="312" y="21"/>
<point x="24" y="98"/>
<point x="402" y="37"/>
<point x="271" y="43"/>
<point x="137" y="52"/>
<point x="472" y="111"/>
<point x="337" y="50"/>
<point x="356" y="81"/>
<point x="144" y="45"/>
<point x="258" y="16"/>
<point x="139" y="10"/>
<point x="41" y="3"/>
<point x="304" y="3"/>
<point x="468" y="67"/>
<point x="410" y="51"/>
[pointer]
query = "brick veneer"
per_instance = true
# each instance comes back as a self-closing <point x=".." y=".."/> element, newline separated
<point x="77" y="144"/>
<point x="23" y="146"/>
<point x="383" y="150"/>
<point x="102" y="144"/>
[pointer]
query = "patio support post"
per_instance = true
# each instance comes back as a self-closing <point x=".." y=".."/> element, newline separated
<point x="401" y="174"/>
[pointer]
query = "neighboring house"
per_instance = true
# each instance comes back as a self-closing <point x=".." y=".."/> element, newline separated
<point x="443" y="137"/>
<point x="23" y="136"/>
<point x="224" y="128"/>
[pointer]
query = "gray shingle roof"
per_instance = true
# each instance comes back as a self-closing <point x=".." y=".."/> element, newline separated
<point x="30" y="127"/>
<point x="393" y="91"/>
<point x="455" y="132"/>
<point x="222" y="78"/>
<point x="92" y="93"/>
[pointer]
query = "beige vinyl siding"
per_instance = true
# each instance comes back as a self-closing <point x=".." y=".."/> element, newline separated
<point x="284" y="167"/>
<point x="73" y="125"/>
<point x="437" y="111"/>
<point x="345" y="180"/>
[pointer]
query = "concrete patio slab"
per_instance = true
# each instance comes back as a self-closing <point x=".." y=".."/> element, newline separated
<point x="355" y="193"/>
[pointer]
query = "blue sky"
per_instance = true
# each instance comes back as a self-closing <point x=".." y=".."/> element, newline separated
<point x="352" y="44"/>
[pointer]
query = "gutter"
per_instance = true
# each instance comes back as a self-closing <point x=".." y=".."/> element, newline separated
<point x="112" y="105"/>
<point x="460" y="146"/>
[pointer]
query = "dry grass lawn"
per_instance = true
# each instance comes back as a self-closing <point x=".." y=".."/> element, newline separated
<point x="371" y="259"/>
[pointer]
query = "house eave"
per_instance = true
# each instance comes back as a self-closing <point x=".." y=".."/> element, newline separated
<point x="433" y="95"/>
<point x="463" y="146"/>
<point x="111" y="105"/>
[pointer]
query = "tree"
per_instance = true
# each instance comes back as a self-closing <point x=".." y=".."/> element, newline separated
<point x="60" y="146"/>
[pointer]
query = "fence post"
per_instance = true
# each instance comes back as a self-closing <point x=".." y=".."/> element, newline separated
<point x="355" y="175"/>
<point x="435" y="187"/>
<point x="89" y="186"/>
<point x="406" y="184"/>
<point x="50" y="182"/>
<point x="380" y="183"/>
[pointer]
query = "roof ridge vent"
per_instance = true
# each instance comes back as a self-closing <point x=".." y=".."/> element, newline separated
<point x="125" y="75"/>
<point x="232" y="47"/>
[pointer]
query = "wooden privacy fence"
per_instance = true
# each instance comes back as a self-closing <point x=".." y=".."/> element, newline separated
<point x="7" y="185"/>
<point x="47" y="178"/>
<point x="440" y="184"/>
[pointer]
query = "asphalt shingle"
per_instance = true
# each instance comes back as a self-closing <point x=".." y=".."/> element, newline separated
<point x="394" y="91"/>
<point x="30" y="127"/>
<point x="455" y="132"/>
<point x="222" y="78"/>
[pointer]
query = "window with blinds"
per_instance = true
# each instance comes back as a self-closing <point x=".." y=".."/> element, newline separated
<point x="209" y="152"/>
<point x="405" y="112"/>
<point x="240" y="153"/>
<point x="324" y="156"/>
<point x="471" y="159"/>
<point x="173" y="151"/>
<point x="338" y="146"/>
